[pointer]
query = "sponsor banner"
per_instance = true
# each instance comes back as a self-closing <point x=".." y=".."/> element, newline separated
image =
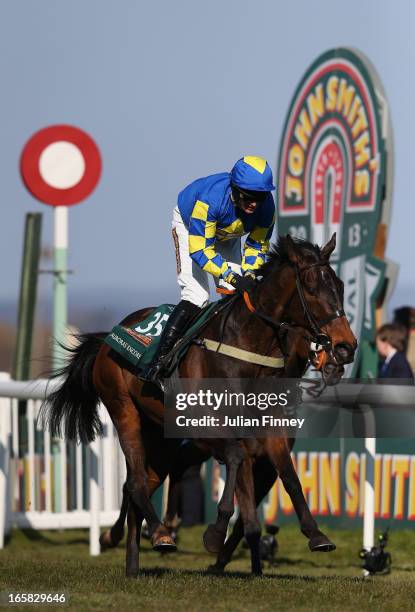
<point x="333" y="481"/>
<point x="332" y="175"/>
<point x="332" y="474"/>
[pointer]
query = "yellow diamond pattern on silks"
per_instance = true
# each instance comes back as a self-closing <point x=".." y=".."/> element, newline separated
<point x="200" y="210"/>
<point x="196" y="243"/>
<point x="259" y="163"/>
<point x="210" y="229"/>
<point x="210" y="266"/>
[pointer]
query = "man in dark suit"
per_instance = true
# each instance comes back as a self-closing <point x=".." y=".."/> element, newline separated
<point x="390" y="343"/>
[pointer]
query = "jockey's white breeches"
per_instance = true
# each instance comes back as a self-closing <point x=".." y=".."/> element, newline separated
<point x="193" y="281"/>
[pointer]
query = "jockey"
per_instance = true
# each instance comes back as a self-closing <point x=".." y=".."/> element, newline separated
<point x="211" y="216"/>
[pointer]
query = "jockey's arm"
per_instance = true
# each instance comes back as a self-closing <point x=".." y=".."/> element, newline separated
<point x="256" y="247"/>
<point x="202" y="240"/>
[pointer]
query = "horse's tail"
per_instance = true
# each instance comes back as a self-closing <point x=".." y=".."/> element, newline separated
<point x="72" y="410"/>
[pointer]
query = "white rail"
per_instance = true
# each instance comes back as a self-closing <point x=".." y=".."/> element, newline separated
<point x="50" y="484"/>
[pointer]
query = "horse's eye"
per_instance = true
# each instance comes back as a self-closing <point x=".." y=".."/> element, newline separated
<point x="311" y="281"/>
<point x="311" y="289"/>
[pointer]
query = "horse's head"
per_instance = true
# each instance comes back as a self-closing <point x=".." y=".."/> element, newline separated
<point x="312" y="297"/>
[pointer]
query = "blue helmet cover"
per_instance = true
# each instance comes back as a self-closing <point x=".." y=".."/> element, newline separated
<point x="252" y="173"/>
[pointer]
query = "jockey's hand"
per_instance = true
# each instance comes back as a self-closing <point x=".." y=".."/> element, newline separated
<point x="242" y="283"/>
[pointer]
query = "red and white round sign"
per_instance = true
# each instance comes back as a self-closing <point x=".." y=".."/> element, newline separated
<point x="60" y="165"/>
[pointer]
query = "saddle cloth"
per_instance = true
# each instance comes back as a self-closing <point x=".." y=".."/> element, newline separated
<point x="138" y="344"/>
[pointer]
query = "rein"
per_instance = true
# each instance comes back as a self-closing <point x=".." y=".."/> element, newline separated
<point x="232" y="351"/>
<point x="318" y="338"/>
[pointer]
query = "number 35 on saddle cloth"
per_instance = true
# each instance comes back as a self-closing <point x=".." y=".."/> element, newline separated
<point x="138" y="344"/>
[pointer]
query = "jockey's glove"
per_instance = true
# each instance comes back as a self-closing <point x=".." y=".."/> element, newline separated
<point x="241" y="283"/>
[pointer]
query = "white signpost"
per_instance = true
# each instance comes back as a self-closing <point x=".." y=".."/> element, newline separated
<point x="60" y="166"/>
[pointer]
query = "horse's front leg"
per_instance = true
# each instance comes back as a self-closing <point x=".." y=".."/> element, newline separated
<point x="214" y="536"/>
<point x="264" y="475"/>
<point x="279" y="454"/>
<point x="187" y="456"/>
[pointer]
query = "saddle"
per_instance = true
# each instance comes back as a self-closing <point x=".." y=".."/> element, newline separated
<point x="138" y="344"/>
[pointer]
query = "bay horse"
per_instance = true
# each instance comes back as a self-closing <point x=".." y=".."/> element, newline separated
<point x="299" y="353"/>
<point x="298" y="287"/>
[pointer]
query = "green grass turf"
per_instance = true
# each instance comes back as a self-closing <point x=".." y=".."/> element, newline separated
<point x="60" y="562"/>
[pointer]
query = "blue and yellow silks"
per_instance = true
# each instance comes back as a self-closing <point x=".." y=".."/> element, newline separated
<point x="209" y="215"/>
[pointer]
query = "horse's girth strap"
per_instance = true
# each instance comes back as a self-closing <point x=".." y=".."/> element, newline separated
<point x="237" y="353"/>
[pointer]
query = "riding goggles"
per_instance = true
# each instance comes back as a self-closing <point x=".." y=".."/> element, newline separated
<point x="249" y="196"/>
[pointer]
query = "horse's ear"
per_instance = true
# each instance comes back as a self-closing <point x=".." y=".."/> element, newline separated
<point x="328" y="249"/>
<point x="291" y="249"/>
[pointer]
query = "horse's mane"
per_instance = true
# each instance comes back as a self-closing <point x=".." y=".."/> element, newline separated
<point x="278" y="253"/>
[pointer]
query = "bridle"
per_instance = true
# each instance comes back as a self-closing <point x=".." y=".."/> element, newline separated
<point x="318" y="337"/>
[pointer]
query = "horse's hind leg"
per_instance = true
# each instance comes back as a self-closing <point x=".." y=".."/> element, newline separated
<point x="127" y="422"/>
<point x="281" y="458"/>
<point x="215" y="534"/>
<point x="161" y="542"/>
<point x="112" y="537"/>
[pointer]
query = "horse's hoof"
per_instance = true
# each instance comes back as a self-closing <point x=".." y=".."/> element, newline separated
<point x="106" y="541"/>
<point x="164" y="544"/>
<point x="321" y="543"/>
<point x="215" y="569"/>
<point x="213" y="539"/>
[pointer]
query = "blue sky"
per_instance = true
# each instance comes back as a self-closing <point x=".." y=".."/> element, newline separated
<point x="172" y="91"/>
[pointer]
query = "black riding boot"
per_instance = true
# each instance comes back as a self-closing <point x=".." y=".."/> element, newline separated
<point x="175" y="326"/>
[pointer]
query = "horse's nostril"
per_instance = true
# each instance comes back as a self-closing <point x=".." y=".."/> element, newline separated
<point x="344" y="352"/>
